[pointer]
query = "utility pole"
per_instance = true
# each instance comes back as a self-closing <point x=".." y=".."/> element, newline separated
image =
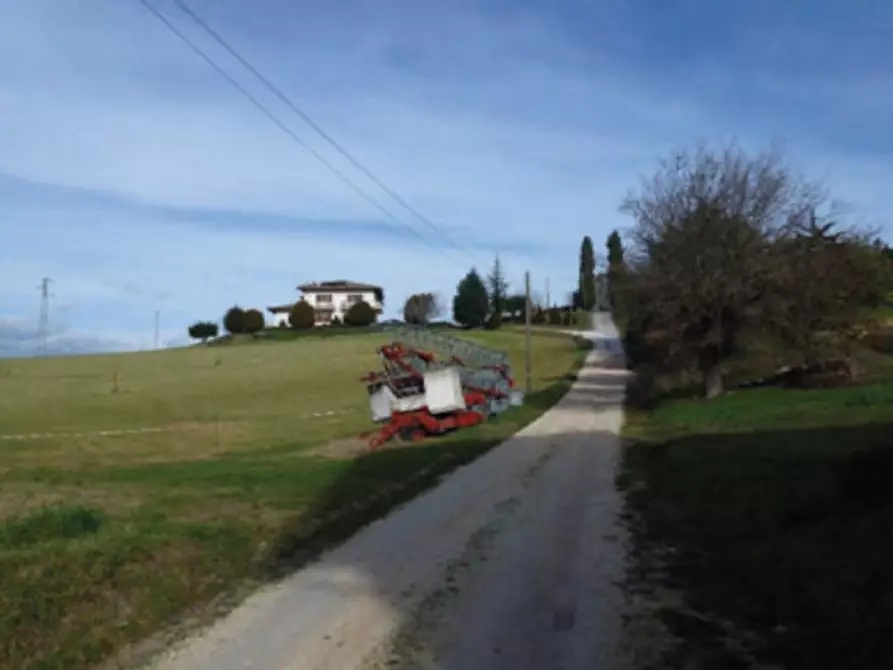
<point x="157" y="313"/>
<point x="43" y="325"/>
<point x="548" y="300"/>
<point x="527" y="357"/>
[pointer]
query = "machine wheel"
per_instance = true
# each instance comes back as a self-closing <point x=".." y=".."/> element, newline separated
<point x="412" y="434"/>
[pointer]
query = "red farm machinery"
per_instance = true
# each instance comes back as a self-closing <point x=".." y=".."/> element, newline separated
<point x="433" y="383"/>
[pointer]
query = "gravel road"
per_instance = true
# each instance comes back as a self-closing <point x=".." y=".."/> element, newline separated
<point x="512" y="562"/>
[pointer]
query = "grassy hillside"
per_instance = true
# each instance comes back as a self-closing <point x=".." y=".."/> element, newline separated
<point x="770" y="510"/>
<point x="207" y="398"/>
<point x="106" y="537"/>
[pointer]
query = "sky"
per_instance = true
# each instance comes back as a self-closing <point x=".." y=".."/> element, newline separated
<point x="140" y="181"/>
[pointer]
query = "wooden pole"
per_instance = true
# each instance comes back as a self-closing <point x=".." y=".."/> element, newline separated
<point x="527" y="356"/>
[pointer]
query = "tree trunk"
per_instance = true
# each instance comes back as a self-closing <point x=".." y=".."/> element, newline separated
<point x="713" y="382"/>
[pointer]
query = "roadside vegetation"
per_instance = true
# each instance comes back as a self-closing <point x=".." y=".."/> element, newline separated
<point x="239" y="477"/>
<point x="759" y="440"/>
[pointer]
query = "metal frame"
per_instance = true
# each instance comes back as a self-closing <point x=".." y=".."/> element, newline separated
<point x="486" y="380"/>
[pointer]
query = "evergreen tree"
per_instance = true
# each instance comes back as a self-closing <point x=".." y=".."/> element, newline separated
<point x="616" y="268"/>
<point x="498" y="288"/>
<point x="615" y="249"/>
<point x="471" y="303"/>
<point x="587" y="275"/>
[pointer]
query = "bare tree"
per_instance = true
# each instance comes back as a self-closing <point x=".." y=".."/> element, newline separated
<point x="421" y="308"/>
<point x="710" y="235"/>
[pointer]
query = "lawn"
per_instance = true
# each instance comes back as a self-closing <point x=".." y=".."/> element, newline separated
<point x="770" y="510"/>
<point x="105" y="539"/>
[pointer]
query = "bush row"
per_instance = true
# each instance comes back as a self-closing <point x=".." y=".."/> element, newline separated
<point x="301" y="317"/>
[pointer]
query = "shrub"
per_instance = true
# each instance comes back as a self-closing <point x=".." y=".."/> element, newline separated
<point x="494" y="322"/>
<point x="234" y="320"/>
<point x="636" y="347"/>
<point x="302" y="316"/>
<point x="202" y="330"/>
<point x="253" y="321"/>
<point x="360" y="314"/>
<point x="335" y="321"/>
<point x="581" y="318"/>
<point x="554" y="316"/>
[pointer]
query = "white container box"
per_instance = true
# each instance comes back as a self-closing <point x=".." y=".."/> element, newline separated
<point x="443" y="391"/>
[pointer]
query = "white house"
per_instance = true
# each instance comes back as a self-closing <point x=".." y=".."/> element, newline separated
<point x="330" y="299"/>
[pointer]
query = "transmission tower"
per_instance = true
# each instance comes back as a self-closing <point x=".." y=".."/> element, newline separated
<point x="44" y="323"/>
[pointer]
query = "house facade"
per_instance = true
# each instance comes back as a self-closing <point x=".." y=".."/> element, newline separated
<point x="331" y="299"/>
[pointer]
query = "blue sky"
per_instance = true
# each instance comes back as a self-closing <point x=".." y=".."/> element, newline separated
<point x="138" y="180"/>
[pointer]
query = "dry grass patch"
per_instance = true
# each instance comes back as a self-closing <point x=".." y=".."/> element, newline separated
<point x="22" y="498"/>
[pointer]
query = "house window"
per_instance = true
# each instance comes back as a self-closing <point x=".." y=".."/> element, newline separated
<point x="324" y="299"/>
<point x="353" y="298"/>
<point x="323" y="316"/>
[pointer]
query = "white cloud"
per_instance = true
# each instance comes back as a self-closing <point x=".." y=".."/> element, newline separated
<point x="506" y="129"/>
<point x="460" y="165"/>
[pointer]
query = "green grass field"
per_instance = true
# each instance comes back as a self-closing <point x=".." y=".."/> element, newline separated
<point x="104" y="539"/>
<point x="771" y="510"/>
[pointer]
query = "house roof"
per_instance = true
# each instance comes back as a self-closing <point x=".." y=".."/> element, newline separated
<point x="336" y="286"/>
<point x="279" y="309"/>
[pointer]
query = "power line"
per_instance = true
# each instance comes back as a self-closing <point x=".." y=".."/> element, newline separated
<point x="288" y="131"/>
<point x="310" y="122"/>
